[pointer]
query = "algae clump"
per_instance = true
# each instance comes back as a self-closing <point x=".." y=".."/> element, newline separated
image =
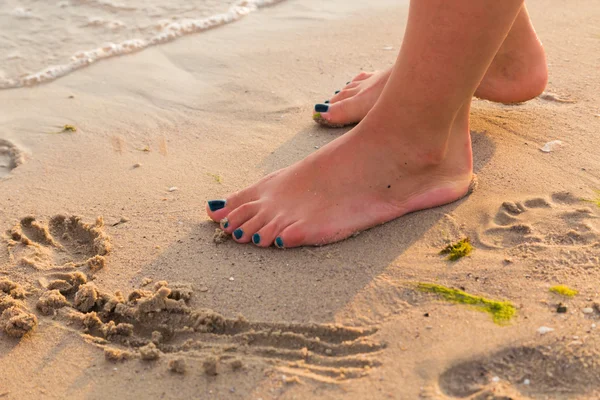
<point x="563" y="290"/>
<point x="501" y="311"/>
<point x="67" y="128"/>
<point x="458" y="250"/>
<point x="216" y="177"/>
<point x="596" y="201"/>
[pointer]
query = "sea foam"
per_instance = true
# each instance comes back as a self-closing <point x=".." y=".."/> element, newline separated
<point x="156" y="33"/>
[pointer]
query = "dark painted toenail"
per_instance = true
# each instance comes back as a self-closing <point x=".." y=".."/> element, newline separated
<point x="238" y="233"/>
<point x="256" y="238"/>
<point x="224" y="223"/>
<point x="215" y="205"/>
<point x="326" y="102"/>
<point x="279" y="242"/>
<point x="337" y="91"/>
<point x="347" y="83"/>
<point x="321" y="108"/>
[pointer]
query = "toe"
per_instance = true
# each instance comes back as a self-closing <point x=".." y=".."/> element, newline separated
<point x="239" y="216"/>
<point x="221" y="208"/>
<point x="246" y="232"/>
<point x="344" y="94"/>
<point x="362" y="76"/>
<point x="268" y="233"/>
<point x="343" y="112"/>
<point x="294" y="235"/>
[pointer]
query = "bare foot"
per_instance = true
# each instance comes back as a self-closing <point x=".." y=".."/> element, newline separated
<point x="518" y="73"/>
<point x="362" y="179"/>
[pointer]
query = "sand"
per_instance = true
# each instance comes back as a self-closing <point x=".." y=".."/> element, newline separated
<point x="114" y="286"/>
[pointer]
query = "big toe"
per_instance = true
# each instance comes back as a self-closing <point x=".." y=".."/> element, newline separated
<point x="344" y="112"/>
<point x="218" y="209"/>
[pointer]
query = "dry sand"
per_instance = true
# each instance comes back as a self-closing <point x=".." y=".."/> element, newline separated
<point x="142" y="303"/>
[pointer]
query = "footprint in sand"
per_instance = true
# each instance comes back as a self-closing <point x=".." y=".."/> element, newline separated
<point x="522" y="373"/>
<point x="158" y="322"/>
<point x="563" y="231"/>
<point x="64" y="243"/>
<point x="10" y="157"/>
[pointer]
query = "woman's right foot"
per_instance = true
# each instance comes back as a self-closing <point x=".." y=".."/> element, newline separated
<point x="518" y="73"/>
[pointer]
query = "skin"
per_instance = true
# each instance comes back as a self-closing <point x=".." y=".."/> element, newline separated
<point x="411" y="151"/>
<point x="518" y="73"/>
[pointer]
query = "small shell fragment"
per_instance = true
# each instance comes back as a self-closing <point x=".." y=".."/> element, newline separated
<point x="542" y="330"/>
<point x="551" y="146"/>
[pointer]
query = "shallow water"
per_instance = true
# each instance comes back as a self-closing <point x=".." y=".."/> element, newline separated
<point x="41" y="40"/>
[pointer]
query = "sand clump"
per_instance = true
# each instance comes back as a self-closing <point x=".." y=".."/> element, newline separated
<point x="236" y="364"/>
<point x="117" y="355"/>
<point x="220" y="236"/>
<point x="17" y="322"/>
<point x="50" y="301"/>
<point x="86" y="297"/>
<point x="13" y="289"/>
<point x="15" y="319"/>
<point x="210" y="366"/>
<point x="177" y="365"/>
<point x="149" y="352"/>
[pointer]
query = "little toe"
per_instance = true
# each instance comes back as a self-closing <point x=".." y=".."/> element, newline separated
<point x="294" y="235"/>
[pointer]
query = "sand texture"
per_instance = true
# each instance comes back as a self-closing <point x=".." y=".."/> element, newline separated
<point x="114" y="283"/>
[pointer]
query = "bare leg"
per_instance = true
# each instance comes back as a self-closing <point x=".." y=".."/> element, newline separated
<point x="518" y="73"/>
<point x="411" y="152"/>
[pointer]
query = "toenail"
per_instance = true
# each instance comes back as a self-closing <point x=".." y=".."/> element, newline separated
<point x="326" y="102"/>
<point x="337" y="91"/>
<point x="224" y="223"/>
<point x="215" y="205"/>
<point x="321" y="107"/>
<point x="279" y="242"/>
<point x="238" y="233"/>
<point x="256" y="238"/>
<point x="347" y="83"/>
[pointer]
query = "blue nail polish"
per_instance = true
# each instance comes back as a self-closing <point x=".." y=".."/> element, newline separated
<point x="279" y="242"/>
<point x="238" y="233"/>
<point x="215" y="205"/>
<point x="326" y="102"/>
<point x="347" y="83"/>
<point x="337" y="91"/>
<point x="321" y="108"/>
<point x="256" y="238"/>
<point x="226" y="225"/>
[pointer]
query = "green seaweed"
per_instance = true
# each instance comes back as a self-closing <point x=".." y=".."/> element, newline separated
<point x="596" y="201"/>
<point x="67" y="128"/>
<point x="458" y="250"/>
<point x="317" y="116"/>
<point x="564" y="290"/>
<point x="216" y="177"/>
<point x="501" y="311"/>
